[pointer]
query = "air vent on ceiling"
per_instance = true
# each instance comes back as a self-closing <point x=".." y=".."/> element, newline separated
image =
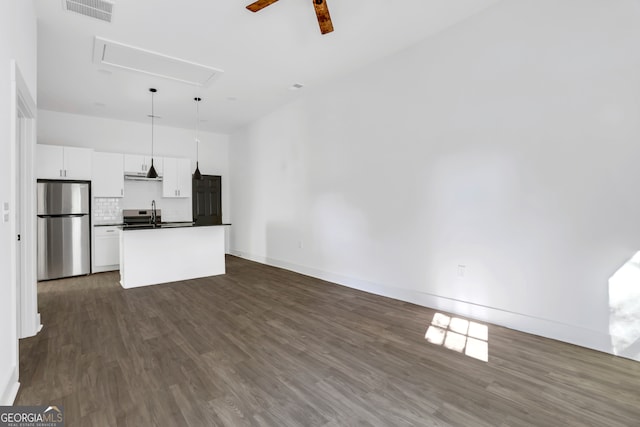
<point x="114" y="54"/>
<point x="98" y="9"/>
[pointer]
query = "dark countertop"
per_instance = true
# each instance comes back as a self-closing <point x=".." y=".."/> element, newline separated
<point x="165" y="225"/>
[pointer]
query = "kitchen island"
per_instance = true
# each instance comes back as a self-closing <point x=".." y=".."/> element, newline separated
<point x="170" y="252"/>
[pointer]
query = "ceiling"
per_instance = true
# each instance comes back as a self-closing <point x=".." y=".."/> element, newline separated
<point x="262" y="54"/>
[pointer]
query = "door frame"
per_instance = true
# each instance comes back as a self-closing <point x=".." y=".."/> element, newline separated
<point x="23" y="191"/>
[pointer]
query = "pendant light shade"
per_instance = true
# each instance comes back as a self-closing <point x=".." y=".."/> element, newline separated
<point x="196" y="174"/>
<point x="152" y="171"/>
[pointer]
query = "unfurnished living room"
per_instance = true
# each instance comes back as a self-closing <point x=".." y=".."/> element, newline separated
<point x="320" y="213"/>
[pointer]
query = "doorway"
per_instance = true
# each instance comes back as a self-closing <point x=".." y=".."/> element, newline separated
<point x="22" y="207"/>
<point x="207" y="200"/>
<point x="17" y="213"/>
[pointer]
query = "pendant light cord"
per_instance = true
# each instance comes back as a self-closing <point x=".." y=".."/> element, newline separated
<point x="196" y="174"/>
<point x="197" y="129"/>
<point x="151" y="173"/>
<point x="153" y="115"/>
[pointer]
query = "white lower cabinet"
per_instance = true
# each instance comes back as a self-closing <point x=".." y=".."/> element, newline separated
<point x="106" y="254"/>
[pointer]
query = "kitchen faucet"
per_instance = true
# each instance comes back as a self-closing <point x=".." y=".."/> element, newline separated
<point x="153" y="212"/>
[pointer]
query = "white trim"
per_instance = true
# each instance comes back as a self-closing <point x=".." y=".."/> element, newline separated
<point x="10" y="390"/>
<point x="593" y="339"/>
<point x="23" y="102"/>
<point x="103" y="269"/>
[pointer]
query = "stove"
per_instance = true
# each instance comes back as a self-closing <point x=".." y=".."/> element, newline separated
<point x="140" y="218"/>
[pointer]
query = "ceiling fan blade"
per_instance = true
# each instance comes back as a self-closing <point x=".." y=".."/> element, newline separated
<point x="260" y="4"/>
<point x="324" y="19"/>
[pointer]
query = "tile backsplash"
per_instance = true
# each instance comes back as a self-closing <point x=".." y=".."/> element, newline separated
<point x="106" y="210"/>
<point x="139" y="195"/>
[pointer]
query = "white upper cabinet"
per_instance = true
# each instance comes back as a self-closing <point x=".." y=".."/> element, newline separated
<point x="184" y="177"/>
<point x="177" y="178"/>
<point x="139" y="164"/>
<point x="49" y="162"/>
<point x="134" y="163"/>
<point x="55" y="162"/>
<point x="77" y="163"/>
<point x="108" y="175"/>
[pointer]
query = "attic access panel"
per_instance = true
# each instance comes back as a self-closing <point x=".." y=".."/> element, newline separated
<point x="114" y="54"/>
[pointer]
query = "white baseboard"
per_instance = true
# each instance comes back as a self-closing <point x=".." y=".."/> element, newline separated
<point x="105" y="268"/>
<point x="593" y="339"/>
<point x="9" y="390"/>
<point x="37" y="326"/>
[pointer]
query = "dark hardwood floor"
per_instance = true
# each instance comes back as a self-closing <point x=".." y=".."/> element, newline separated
<point x="267" y="347"/>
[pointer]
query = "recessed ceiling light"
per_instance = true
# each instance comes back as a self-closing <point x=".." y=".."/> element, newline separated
<point x="296" y="86"/>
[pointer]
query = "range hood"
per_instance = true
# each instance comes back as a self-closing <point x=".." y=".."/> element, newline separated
<point x="140" y="176"/>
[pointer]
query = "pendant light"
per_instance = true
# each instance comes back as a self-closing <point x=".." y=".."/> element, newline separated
<point x="196" y="173"/>
<point x="152" y="171"/>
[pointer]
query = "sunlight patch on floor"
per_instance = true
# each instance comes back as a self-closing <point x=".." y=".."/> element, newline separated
<point x="459" y="335"/>
<point x="624" y="309"/>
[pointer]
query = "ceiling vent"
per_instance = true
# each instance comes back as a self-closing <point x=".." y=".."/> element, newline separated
<point x="114" y="54"/>
<point x="98" y="9"/>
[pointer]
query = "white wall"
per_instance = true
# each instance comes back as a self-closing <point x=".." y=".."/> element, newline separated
<point x="17" y="41"/>
<point x="508" y="144"/>
<point x="119" y="136"/>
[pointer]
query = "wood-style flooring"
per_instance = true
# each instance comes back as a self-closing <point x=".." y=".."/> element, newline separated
<point x="261" y="346"/>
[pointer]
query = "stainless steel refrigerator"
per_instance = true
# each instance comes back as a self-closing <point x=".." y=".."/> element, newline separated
<point x="64" y="245"/>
